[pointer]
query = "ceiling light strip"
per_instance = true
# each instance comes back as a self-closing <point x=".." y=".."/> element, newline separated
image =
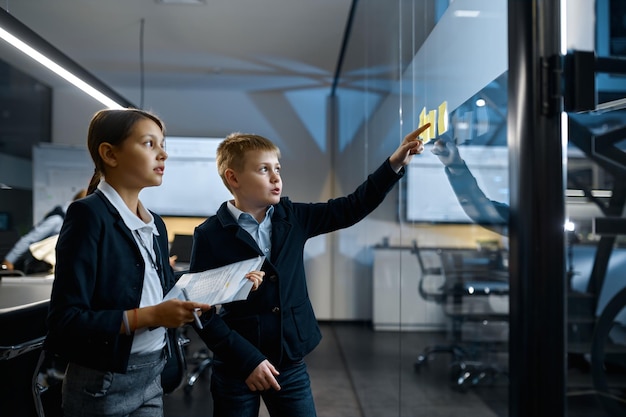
<point x="28" y="42"/>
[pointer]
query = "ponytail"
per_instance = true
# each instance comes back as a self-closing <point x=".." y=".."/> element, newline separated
<point x="95" y="180"/>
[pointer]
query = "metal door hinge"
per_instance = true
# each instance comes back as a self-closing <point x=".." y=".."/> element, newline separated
<point x="551" y="75"/>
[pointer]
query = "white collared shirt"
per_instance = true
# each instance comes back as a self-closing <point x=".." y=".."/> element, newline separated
<point x="145" y="340"/>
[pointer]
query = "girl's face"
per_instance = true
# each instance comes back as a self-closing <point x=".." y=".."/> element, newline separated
<point x="141" y="157"/>
<point x="259" y="184"/>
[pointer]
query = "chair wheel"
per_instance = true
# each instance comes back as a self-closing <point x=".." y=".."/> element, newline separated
<point x="421" y="360"/>
<point x="462" y="376"/>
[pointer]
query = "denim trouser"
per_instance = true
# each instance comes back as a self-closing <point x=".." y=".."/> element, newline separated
<point x="233" y="398"/>
<point x="89" y="393"/>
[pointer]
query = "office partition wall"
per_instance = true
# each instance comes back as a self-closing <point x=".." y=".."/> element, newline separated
<point x="478" y="277"/>
<point x="409" y="63"/>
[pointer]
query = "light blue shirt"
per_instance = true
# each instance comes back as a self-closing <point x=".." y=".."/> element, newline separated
<point x="49" y="226"/>
<point x="145" y="340"/>
<point x="261" y="233"/>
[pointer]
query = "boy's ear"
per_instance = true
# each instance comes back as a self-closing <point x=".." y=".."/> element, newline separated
<point x="107" y="153"/>
<point x="231" y="178"/>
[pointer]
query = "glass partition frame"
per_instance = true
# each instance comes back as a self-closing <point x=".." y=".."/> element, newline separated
<point x="508" y="124"/>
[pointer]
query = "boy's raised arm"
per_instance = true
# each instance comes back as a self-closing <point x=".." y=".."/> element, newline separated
<point x="410" y="146"/>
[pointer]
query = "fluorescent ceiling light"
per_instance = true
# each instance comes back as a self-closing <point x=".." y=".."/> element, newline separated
<point x="594" y="193"/>
<point x="59" y="70"/>
<point x="7" y="23"/>
<point x="199" y="2"/>
<point x="467" y="13"/>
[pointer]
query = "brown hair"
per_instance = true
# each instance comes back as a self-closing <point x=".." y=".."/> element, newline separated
<point x="112" y="126"/>
<point x="79" y="194"/>
<point x="231" y="151"/>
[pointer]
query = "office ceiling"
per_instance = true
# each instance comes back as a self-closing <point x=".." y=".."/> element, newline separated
<point x="212" y="43"/>
<point x="139" y="45"/>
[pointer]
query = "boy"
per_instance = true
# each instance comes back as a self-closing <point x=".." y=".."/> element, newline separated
<point x="259" y="344"/>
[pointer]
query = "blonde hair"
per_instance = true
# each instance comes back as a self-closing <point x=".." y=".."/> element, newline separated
<point x="231" y="151"/>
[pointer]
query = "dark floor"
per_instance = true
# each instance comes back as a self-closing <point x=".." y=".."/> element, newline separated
<point x="358" y="372"/>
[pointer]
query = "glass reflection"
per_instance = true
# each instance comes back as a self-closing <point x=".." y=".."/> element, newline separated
<point x="439" y="333"/>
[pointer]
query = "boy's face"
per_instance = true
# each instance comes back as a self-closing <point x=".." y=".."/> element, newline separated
<point x="258" y="184"/>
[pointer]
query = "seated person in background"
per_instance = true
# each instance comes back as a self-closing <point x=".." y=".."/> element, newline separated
<point x="492" y="215"/>
<point x="19" y="257"/>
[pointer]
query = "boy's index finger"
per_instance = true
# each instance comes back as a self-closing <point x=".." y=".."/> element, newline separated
<point x="414" y="134"/>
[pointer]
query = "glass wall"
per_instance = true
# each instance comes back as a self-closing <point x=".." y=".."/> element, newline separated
<point x="439" y="241"/>
<point x="439" y="244"/>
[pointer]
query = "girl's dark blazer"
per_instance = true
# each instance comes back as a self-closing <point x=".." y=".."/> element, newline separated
<point x="99" y="273"/>
<point x="277" y="321"/>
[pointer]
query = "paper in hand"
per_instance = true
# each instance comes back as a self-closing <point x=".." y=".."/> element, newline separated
<point x="218" y="286"/>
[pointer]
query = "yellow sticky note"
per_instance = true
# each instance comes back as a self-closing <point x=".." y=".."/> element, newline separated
<point x="442" y="123"/>
<point x="430" y="132"/>
<point x="422" y="122"/>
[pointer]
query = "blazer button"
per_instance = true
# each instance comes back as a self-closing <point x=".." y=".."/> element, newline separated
<point x="273" y="278"/>
<point x="276" y="310"/>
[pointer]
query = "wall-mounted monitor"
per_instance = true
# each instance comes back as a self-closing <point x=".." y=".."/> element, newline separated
<point x="191" y="186"/>
<point x="430" y="198"/>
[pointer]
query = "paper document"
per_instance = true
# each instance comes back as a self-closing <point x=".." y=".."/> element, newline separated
<point x="218" y="286"/>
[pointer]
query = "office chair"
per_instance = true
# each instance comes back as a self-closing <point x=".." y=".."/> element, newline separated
<point x="181" y="247"/>
<point x="20" y="344"/>
<point x="47" y="383"/>
<point x="174" y="373"/>
<point x="204" y="360"/>
<point x="438" y="294"/>
<point x="464" y="285"/>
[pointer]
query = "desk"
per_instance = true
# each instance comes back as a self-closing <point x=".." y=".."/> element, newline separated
<point x="20" y="291"/>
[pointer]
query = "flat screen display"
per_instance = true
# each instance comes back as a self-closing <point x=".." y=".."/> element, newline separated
<point x="191" y="185"/>
<point x="430" y="198"/>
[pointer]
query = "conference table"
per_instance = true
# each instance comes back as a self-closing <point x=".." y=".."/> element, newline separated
<point x="18" y="291"/>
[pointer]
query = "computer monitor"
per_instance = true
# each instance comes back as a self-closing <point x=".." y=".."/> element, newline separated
<point x="5" y="220"/>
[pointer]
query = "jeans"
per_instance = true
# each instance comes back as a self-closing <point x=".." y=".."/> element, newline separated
<point x="233" y="398"/>
<point x="88" y="392"/>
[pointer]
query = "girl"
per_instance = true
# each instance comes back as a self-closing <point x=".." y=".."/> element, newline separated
<point x="107" y="317"/>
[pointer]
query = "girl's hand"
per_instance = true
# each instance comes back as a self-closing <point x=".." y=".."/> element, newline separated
<point x="174" y="313"/>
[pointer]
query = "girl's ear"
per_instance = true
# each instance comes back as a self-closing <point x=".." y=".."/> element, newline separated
<point x="231" y="178"/>
<point x="107" y="154"/>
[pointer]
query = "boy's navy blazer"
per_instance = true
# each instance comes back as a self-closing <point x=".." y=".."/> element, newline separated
<point x="99" y="273"/>
<point x="277" y="321"/>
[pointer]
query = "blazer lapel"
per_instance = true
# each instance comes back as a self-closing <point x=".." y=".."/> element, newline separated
<point x="280" y="230"/>
<point x="119" y="223"/>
